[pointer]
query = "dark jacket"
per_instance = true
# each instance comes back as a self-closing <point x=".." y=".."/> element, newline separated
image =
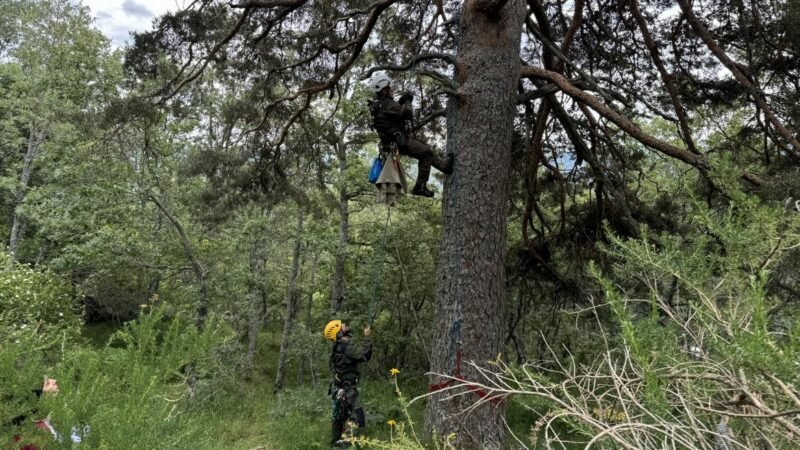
<point x="346" y="357"/>
<point x="389" y="117"/>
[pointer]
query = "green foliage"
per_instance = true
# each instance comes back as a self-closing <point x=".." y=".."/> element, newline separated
<point x="132" y="392"/>
<point x="22" y="371"/>
<point x="37" y="307"/>
<point x="699" y="306"/>
<point x="713" y="269"/>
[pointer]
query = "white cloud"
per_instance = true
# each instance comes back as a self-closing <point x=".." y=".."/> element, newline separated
<point x="118" y="18"/>
<point x="135" y="9"/>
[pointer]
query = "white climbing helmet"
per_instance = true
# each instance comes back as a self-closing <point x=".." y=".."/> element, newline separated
<point x="379" y="82"/>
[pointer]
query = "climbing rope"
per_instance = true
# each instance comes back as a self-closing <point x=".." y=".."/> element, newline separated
<point x="377" y="271"/>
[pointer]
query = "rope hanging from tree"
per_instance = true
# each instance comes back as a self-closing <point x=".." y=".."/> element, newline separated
<point x="378" y="268"/>
<point x="377" y="271"/>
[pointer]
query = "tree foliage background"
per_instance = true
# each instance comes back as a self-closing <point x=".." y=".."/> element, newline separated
<point x="185" y="214"/>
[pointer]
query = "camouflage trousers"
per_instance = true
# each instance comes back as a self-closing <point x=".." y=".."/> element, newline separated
<point x="346" y="405"/>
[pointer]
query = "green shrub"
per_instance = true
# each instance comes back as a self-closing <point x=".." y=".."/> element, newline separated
<point x="701" y="351"/>
<point x="134" y="392"/>
<point x="37" y="305"/>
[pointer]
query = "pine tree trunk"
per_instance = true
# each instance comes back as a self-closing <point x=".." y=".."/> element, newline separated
<point x="291" y="306"/>
<point x="337" y="296"/>
<point x="471" y="278"/>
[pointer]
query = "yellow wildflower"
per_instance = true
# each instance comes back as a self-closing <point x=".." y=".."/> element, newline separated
<point x="394" y="371"/>
<point x="391" y="423"/>
<point x="143" y="305"/>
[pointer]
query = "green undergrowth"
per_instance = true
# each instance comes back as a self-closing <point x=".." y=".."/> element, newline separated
<point x="130" y="387"/>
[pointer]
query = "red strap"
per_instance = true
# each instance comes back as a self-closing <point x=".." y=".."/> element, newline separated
<point x="439" y="386"/>
<point x="470" y="386"/>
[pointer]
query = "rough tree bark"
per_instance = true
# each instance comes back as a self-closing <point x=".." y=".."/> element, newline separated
<point x="35" y="141"/>
<point x="471" y="278"/>
<point x="291" y="305"/>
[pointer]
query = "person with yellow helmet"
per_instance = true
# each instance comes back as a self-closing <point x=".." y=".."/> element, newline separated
<point x="346" y="355"/>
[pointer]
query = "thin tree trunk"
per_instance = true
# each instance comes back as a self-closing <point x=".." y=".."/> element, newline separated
<point x="291" y="305"/>
<point x="337" y="296"/>
<point x="253" y="327"/>
<point x="301" y="361"/>
<point x="200" y="275"/>
<point x="257" y="304"/>
<point x="309" y="324"/>
<point x="35" y="141"/>
<point x="471" y="280"/>
<point x="197" y="268"/>
<point x="308" y="363"/>
<point x="153" y="285"/>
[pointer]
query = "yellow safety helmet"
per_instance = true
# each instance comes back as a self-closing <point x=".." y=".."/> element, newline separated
<point x="331" y="329"/>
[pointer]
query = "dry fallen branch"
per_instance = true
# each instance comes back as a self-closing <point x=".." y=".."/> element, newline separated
<point x="712" y="405"/>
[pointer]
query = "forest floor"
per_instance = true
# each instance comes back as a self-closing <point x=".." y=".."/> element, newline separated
<point x="247" y="415"/>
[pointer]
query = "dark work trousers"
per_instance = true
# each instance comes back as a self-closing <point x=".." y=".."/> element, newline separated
<point x="423" y="153"/>
<point x="345" y="406"/>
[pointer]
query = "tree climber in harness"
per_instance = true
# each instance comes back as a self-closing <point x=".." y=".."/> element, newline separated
<point x="345" y="358"/>
<point x="392" y="121"/>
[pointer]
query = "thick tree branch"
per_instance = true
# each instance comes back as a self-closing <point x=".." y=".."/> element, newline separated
<point x="666" y="77"/>
<point x="489" y="6"/>
<point x="357" y="45"/>
<point x="199" y="70"/>
<point x="756" y="93"/>
<point x="429" y="118"/>
<point x="621" y="121"/>
<point x="197" y="268"/>
<point x="549" y="44"/>
<point x="548" y="89"/>
<point x="188" y="249"/>
<point x="543" y="28"/>
<point x="270" y="3"/>
<point x="577" y="20"/>
<point x="753" y="179"/>
<point x="451" y="59"/>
